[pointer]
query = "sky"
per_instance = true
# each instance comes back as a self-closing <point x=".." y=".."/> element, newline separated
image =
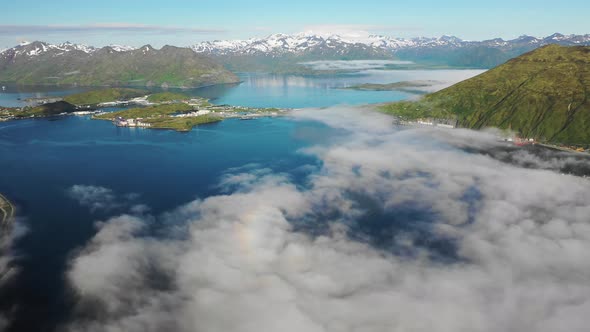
<point x="182" y="23"/>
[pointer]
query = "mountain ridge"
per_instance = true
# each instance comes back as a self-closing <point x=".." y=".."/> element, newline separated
<point x="114" y="65"/>
<point x="281" y="52"/>
<point x="281" y="43"/>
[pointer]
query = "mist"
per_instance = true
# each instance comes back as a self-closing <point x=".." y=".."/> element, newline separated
<point x="393" y="230"/>
<point x="353" y="64"/>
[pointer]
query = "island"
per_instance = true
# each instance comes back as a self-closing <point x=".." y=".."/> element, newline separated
<point x="160" y="110"/>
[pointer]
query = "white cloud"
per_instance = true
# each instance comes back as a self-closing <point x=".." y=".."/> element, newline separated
<point x="98" y="198"/>
<point x="353" y="64"/>
<point x="8" y="269"/>
<point x="247" y="261"/>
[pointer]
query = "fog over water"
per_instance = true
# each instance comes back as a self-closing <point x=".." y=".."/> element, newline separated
<point x="394" y="230"/>
<point x="331" y="219"/>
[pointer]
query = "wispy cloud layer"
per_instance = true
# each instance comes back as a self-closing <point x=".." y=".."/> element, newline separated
<point x="98" y="198"/>
<point x="397" y="230"/>
<point x="101" y="27"/>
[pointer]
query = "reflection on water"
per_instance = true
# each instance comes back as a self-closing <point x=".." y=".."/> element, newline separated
<point x="285" y="91"/>
<point x="290" y="91"/>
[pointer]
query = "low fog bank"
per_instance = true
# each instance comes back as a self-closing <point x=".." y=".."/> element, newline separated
<point x="353" y="64"/>
<point x="8" y="268"/>
<point x="396" y="230"/>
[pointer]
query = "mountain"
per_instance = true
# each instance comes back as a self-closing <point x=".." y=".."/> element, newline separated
<point x="281" y="44"/>
<point x="281" y="49"/>
<point x="543" y="94"/>
<point x="43" y="63"/>
<point x="483" y="54"/>
<point x="280" y="53"/>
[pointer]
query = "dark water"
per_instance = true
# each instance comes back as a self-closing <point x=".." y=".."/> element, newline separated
<point x="42" y="159"/>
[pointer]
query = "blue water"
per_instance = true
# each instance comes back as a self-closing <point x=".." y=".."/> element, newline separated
<point x="16" y="96"/>
<point x="42" y="158"/>
<point x="266" y="90"/>
<point x="290" y="91"/>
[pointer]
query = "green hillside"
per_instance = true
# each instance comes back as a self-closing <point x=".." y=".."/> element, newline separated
<point x="167" y="67"/>
<point x="167" y="97"/>
<point x="541" y="94"/>
<point x="104" y="95"/>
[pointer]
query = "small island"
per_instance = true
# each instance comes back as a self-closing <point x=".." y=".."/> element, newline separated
<point x="412" y="86"/>
<point x="162" y="110"/>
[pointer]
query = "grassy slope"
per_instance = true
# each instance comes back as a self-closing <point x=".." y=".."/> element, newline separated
<point x="167" y="97"/>
<point x="104" y="95"/>
<point x="159" y="116"/>
<point x="47" y="109"/>
<point x="182" y="124"/>
<point x="542" y="94"/>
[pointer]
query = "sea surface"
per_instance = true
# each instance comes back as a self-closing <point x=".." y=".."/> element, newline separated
<point x="43" y="159"/>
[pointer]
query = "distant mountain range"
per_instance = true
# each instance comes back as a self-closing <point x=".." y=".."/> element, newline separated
<point x="43" y="63"/>
<point x="443" y="51"/>
<point x="209" y="63"/>
<point x="543" y="94"/>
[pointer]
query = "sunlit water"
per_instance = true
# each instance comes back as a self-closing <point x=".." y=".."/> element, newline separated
<point x="42" y="159"/>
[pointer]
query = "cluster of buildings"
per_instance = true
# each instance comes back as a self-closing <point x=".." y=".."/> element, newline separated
<point x="122" y="122"/>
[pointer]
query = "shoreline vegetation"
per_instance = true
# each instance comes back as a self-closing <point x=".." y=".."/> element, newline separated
<point x="162" y="110"/>
<point x="7" y="212"/>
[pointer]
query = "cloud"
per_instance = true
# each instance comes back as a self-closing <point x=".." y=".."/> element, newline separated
<point x="98" y="198"/>
<point x="18" y="29"/>
<point x="8" y="269"/>
<point x="398" y="230"/>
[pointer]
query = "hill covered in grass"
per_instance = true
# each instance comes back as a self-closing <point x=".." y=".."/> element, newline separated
<point x="542" y="94"/>
<point x="42" y="63"/>
<point x="161" y="97"/>
<point x="104" y="95"/>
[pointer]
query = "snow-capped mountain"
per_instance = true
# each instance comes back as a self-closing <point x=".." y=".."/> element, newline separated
<point x="32" y="49"/>
<point x="278" y="44"/>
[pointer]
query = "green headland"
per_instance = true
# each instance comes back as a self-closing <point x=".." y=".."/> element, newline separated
<point x="95" y="97"/>
<point x="543" y="94"/>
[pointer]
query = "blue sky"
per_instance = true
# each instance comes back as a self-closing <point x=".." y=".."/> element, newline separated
<point x="183" y="23"/>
